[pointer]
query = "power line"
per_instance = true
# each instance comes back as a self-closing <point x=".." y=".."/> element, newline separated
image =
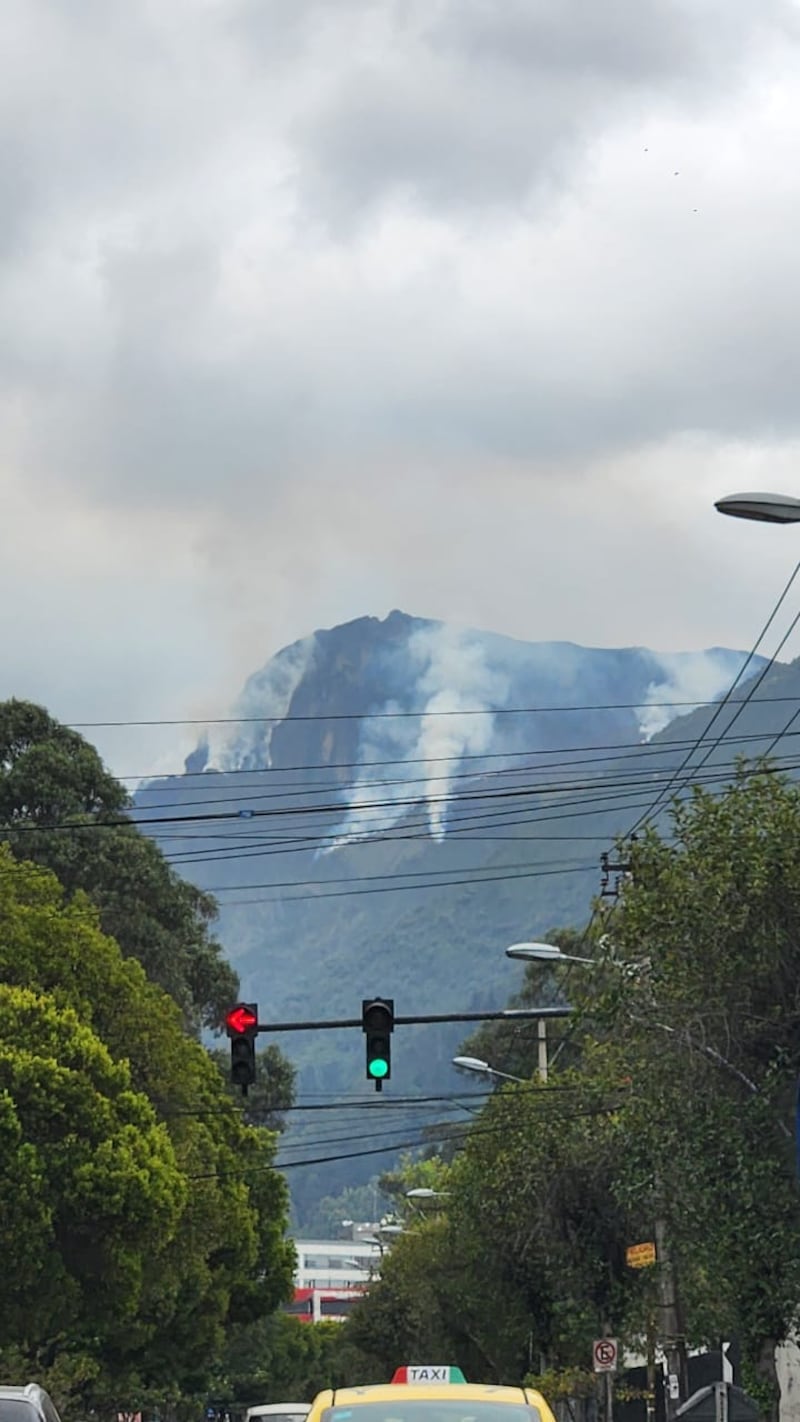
<point x="549" y="1113"/>
<point x="400" y="888"/>
<point x="643" y="705"/>
<point x="452" y="1098"/>
<point x="282" y="813"/>
<point x="455" y="1132"/>
<point x="600" y="805"/>
<point x="289" y="790"/>
<point x="727" y="698"/>
<point x="213" y="774"/>
<point x="551" y="867"/>
<point x="458" y="824"/>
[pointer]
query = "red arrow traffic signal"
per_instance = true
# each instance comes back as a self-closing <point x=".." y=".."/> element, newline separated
<point x="241" y="1018"/>
<point x="241" y="1024"/>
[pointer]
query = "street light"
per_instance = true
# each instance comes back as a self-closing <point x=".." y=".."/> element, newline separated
<point x="483" y="1069"/>
<point x="384" y="1236"/>
<point x="763" y="508"/>
<point x="422" y="1195"/>
<point x="548" y="953"/>
<point x="543" y="953"/>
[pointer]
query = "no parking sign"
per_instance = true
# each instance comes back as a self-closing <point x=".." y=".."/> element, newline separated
<point x="604" y="1355"/>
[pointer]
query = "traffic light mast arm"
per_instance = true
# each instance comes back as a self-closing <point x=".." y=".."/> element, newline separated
<point x="505" y="1014"/>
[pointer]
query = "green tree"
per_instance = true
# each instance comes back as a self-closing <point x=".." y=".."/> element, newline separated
<point x="273" y="1092"/>
<point x="710" y="1014"/>
<point x="364" y="1204"/>
<point x="102" y="1189"/>
<point x="521" y="1259"/>
<point x="225" y="1254"/>
<point x="677" y="1107"/>
<point x="61" y="808"/>
<point x="281" y="1359"/>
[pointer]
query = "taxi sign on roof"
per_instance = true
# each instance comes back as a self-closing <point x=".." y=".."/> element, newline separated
<point x="429" y="1373"/>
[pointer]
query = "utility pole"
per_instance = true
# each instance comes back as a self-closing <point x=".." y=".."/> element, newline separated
<point x="541" y="1030"/>
<point x="651" y="1364"/>
<point x="671" y="1331"/>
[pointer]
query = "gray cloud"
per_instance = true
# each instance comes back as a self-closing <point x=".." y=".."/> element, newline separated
<point x="471" y="103"/>
<point x="307" y="311"/>
<point x="678" y="44"/>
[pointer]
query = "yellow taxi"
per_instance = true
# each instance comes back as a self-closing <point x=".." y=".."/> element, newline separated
<point x="432" y="1393"/>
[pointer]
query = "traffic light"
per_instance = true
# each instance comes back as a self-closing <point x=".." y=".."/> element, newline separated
<point x="241" y="1024"/>
<point x="377" y="1024"/>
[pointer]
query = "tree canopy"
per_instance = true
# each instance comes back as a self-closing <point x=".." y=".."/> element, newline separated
<point x="144" y="1215"/>
<point x="669" y="1114"/>
<point x="61" y="808"/>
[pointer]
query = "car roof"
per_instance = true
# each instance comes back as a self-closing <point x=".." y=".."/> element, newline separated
<point x="433" y="1392"/>
<point x="267" y="1408"/>
<point x="31" y="1394"/>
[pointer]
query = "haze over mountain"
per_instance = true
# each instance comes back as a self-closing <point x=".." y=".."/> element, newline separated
<point x="395" y="801"/>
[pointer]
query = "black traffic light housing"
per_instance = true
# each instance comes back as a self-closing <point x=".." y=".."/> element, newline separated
<point x="377" y="1024"/>
<point x="241" y="1024"/>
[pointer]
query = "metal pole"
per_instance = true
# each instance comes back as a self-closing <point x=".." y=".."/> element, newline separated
<point x="541" y="1033"/>
<point x="672" y="1339"/>
<point x="651" y="1365"/>
<point x="512" y="1014"/>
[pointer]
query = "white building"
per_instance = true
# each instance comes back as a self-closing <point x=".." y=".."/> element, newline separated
<point x="335" y="1263"/>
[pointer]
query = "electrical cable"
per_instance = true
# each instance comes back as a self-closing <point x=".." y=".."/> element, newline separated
<point x="546" y="867"/>
<point x="400" y="888"/>
<point x="726" y="699"/>
<point x="156" y="778"/>
<point x="422" y="714"/>
<point x="261" y="847"/>
<point x="458" y="1135"/>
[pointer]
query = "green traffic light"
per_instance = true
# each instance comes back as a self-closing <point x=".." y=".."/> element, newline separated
<point x="378" y="1067"/>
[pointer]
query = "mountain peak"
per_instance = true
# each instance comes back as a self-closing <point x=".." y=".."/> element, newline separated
<point x="406" y="690"/>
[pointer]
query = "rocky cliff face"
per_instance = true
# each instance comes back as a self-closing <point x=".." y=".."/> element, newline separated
<point x="400" y="800"/>
<point x="405" y="692"/>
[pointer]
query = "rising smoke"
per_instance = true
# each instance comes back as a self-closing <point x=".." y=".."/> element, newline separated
<point x="266" y="697"/>
<point x="692" y="677"/>
<point x="450" y="677"/>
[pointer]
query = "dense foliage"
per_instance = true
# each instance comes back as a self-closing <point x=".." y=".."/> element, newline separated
<point x="61" y="808"/>
<point x="141" y="1216"/>
<point x="282" y="1359"/>
<point x="669" y="1112"/>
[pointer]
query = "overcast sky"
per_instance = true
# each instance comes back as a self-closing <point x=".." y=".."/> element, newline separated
<point x="316" y="308"/>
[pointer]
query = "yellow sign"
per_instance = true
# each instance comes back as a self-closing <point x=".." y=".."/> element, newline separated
<point x="639" y="1256"/>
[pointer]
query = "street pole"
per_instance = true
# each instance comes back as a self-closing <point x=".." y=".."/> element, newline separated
<point x="651" y="1364"/>
<point x="671" y="1330"/>
<point x="541" y="1034"/>
<point x="608" y="1377"/>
